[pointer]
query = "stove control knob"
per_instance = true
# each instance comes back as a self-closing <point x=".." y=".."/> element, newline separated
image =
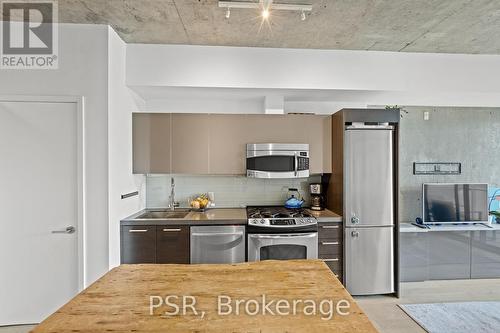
<point x="262" y="221"/>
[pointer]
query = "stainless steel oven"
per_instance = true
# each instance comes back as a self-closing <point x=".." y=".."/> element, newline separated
<point x="277" y="160"/>
<point x="277" y="233"/>
<point x="282" y="246"/>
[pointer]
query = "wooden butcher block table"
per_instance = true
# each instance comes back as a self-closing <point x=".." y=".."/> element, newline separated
<point x="121" y="300"/>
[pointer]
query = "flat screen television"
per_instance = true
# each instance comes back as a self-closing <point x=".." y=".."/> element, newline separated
<point x="454" y="203"/>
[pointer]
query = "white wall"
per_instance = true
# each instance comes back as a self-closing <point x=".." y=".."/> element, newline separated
<point x="84" y="54"/>
<point x="362" y="77"/>
<point x="83" y="66"/>
<point x="121" y="104"/>
<point x="249" y="67"/>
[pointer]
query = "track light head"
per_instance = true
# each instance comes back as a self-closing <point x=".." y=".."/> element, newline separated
<point x="265" y="13"/>
<point x="265" y="7"/>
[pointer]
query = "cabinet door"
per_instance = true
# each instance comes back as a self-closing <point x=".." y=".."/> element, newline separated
<point x="229" y="135"/>
<point x="312" y="129"/>
<point x="190" y="143"/>
<point x="330" y="230"/>
<point x="318" y="130"/>
<point x="138" y="245"/>
<point x="449" y="255"/>
<point x="485" y="254"/>
<point x="330" y="246"/>
<point x="151" y="142"/>
<point x="414" y="256"/>
<point x="172" y="245"/>
<point x="335" y="265"/>
<point x="369" y="260"/>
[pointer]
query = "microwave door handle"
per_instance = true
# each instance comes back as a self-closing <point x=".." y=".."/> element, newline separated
<point x="296" y="164"/>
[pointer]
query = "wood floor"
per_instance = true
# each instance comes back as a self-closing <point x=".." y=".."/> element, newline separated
<point x="385" y="313"/>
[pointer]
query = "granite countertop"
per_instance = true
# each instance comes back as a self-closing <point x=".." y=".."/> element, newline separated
<point x="408" y="227"/>
<point x="325" y="215"/>
<point x="214" y="216"/>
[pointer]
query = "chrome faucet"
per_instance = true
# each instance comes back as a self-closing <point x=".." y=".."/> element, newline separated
<point x="172" y="204"/>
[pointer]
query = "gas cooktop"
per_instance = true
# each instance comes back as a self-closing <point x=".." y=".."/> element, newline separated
<point x="276" y="216"/>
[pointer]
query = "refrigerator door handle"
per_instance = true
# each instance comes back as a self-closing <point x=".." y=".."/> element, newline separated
<point x="354" y="234"/>
<point x="354" y="219"/>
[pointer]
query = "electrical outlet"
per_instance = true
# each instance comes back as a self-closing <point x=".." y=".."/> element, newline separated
<point x="426" y="115"/>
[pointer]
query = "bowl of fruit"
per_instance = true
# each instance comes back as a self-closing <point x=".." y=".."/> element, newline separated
<point x="199" y="202"/>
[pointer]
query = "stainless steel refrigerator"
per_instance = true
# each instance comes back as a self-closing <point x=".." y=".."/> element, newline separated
<point x="369" y="209"/>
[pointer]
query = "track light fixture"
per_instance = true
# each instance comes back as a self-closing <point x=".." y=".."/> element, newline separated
<point x="266" y="7"/>
<point x="265" y="13"/>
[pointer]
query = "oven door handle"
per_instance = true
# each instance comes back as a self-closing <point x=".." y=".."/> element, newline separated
<point x="286" y="236"/>
<point x="216" y="234"/>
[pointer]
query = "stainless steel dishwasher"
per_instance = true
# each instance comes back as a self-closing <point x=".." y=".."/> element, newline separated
<point x="217" y="244"/>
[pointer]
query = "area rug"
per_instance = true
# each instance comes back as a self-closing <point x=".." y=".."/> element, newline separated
<point x="466" y="317"/>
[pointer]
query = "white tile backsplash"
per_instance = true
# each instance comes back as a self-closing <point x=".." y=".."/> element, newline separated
<point x="230" y="191"/>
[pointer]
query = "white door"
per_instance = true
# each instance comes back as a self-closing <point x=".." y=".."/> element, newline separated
<point x="39" y="269"/>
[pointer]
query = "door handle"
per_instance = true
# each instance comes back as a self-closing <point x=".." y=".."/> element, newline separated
<point x="138" y="230"/>
<point x="329" y="243"/>
<point x="354" y="234"/>
<point x="296" y="164"/>
<point x="68" y="230"/>
<point x="205" y="234"/>
<point x="330" y="226"/>
<point x="285" y="236"/>
<point x="355" y="220"/>
<point x="172" y="230"/>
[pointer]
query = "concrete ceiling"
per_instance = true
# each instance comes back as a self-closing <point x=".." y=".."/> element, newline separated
<point x="450" y="26"/>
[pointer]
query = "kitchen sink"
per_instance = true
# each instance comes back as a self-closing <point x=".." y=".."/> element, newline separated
<point x="164" y="214"/>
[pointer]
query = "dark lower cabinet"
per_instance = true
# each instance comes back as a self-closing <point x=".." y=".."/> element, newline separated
<point x="172" y="245"/>
<point x="138" y="245"/>
<point x="330" y="246"/>
<point x="155" y="244"/>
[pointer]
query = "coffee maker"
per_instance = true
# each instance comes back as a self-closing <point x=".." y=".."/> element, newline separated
<point x="317" y="198"/>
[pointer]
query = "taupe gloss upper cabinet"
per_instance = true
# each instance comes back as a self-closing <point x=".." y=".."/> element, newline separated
<point x="151" y="136"/>
<point x="190" y="143"/>
<point x="229" y="135"/>
<point x="216" y="144"/>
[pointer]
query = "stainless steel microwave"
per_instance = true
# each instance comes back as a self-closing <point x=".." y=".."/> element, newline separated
<point x="277" y="160"/>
